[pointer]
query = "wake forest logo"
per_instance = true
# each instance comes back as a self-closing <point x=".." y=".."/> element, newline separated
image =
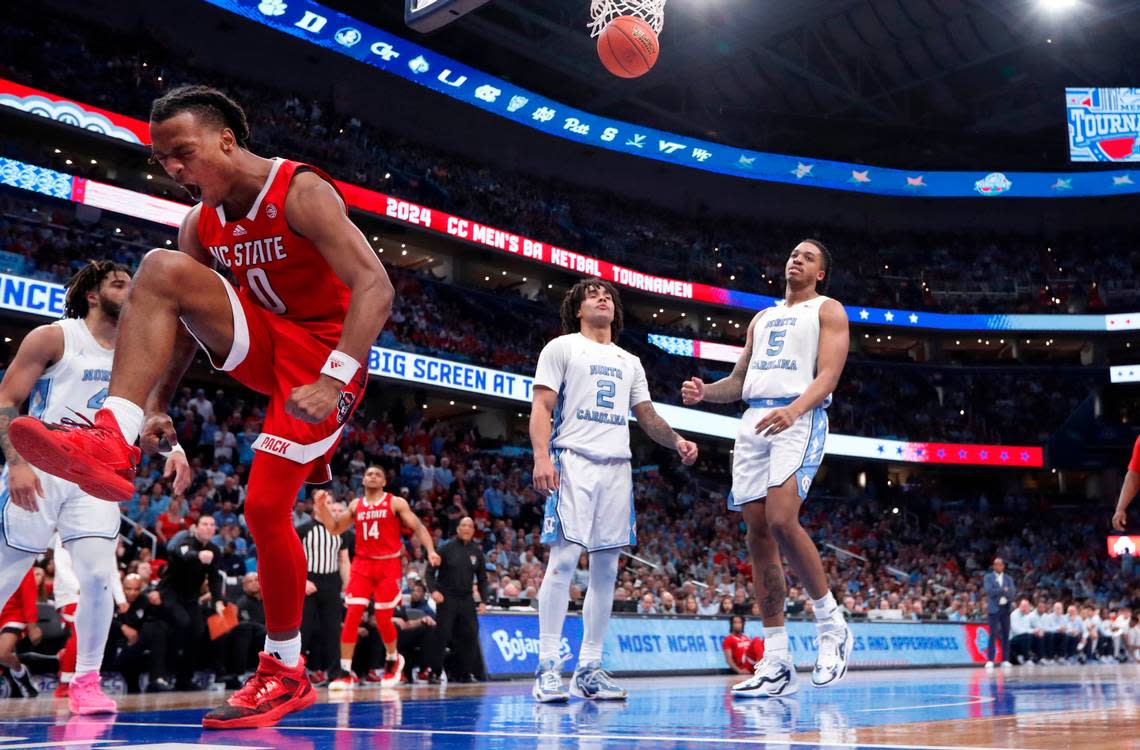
<point x="1104" y="124"/>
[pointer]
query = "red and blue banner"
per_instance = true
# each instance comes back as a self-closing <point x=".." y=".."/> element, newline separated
<point x="93" y="119"/>
<point x="139" y="205"/>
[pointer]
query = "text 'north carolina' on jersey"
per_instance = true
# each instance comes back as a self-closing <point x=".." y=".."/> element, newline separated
<point x="785" y="349"/>
<point x="377" y="529"/>
<point x="597" y="384"/>
<point x="274" y="266"/>
<point x="78" y="381"/>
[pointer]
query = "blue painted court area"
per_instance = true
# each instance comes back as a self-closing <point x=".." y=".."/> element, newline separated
<point x="676" y="712"/>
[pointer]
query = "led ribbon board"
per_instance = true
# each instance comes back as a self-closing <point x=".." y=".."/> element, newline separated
<point x="45" y="299"/>
<point x="130" y="203"/>
<point x="350" y="37"/>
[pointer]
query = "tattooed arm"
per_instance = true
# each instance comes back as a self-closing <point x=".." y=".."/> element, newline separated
<point x="39" y="350"/>
<point x="655" y="426"/>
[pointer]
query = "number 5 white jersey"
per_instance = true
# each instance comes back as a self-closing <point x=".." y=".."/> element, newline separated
<point x="597" y="384"/>
<point x="78" y="381"/>
<point x="785" y="349"/>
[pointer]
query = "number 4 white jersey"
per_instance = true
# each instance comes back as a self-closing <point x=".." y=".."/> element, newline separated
<point x="785" y="350"/>
<point x="597" y="384"/>
<point x="78" y="381"/>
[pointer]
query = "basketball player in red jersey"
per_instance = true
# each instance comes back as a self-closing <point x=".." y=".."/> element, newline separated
<point x="312" y="296"/>
<point x="741" y="652"/>
<point x="376" y="568"/>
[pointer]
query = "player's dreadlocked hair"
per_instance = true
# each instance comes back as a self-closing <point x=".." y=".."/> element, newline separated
<point x="572" y="305"/>
<point x="828" y="264"/>
<point x="87" y="279"/>
<point x="208" y="104"/>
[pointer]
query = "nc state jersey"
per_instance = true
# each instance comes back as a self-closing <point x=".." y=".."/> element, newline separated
<point x="377" y="529"/>
<point x="274" y="266"/>
<point x="78" y="381"/>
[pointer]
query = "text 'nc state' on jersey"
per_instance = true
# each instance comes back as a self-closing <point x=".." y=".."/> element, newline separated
<point x="251" y="253"/>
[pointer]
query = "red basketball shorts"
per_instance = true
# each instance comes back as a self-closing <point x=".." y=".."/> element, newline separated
<point x="375" y="580"/>
<point x="273" y="355"/>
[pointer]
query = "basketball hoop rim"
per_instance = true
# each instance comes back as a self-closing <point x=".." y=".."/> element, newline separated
<point x="602" y="12"/>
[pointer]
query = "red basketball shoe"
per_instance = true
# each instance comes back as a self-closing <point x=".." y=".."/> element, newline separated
<point x="273" y="691"/>
<point x="93" y="455"/>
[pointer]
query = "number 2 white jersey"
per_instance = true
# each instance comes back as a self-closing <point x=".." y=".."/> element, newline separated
<point x="785" y="350"/>
<point x="597" y="384"/>
<point x="78" y="381"/>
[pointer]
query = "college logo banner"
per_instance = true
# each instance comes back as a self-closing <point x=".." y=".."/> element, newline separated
<point x="352" y="38"/>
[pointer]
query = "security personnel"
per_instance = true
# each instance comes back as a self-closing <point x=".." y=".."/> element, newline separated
<point x="461" y="564"/>
<point x="192" y="562"/>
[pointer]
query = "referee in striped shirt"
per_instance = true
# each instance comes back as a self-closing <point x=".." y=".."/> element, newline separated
<point x="327" y="560"/>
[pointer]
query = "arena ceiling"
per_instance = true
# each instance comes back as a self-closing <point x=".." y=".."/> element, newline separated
<point x="903" y="81"/>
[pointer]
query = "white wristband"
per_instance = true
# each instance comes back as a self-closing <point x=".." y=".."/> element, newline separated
<point x="340" y="366"/>
<point x="176" y="448"/>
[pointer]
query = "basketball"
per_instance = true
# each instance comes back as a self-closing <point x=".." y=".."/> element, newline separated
<point x="628" y="47"/>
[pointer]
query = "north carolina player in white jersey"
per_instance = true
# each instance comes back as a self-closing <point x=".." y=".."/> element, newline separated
<point x="791" y="363"/>
<point x="62" y="370"/>
<point x="584" y="389"/>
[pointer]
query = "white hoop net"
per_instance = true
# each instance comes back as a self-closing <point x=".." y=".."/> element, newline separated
<point x="604" y="11"/>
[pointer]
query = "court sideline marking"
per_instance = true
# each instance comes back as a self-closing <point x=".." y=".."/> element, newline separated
<point x="555" y="736"/>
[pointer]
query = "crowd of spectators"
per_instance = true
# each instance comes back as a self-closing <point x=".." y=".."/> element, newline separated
<point x="923" y="562"/>
<point x="929" y="402"/>
<point x="968" y="270"/>
<point x="894" y="553"/>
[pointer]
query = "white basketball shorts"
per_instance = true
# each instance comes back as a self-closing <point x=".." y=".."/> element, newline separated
<point x="593" y="505"/>
<point x="760" y="463"/>
<point x="64" y="508"/>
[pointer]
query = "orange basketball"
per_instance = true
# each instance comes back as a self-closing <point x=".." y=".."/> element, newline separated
<point x="628" y="47"/>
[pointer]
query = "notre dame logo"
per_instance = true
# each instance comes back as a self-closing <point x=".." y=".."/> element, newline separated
<point x="344" y="406"/>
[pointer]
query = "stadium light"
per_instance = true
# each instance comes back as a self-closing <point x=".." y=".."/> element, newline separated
<point x="1057" y="6"/>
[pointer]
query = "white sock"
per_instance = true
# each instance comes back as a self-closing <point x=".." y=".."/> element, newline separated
<point x="287" y="652"/>
<point x="128" y="415"/>
<point x="66" y="677"/>
<point x="549" y="646"/>
<point x="17" y="673"/>
<point x="599" y="604"/>
<point x="93" y="559"/>
<point x="346" y="665"/>
<point x="776" y="642"/>
<point x="590" y="653"/>
<point x="554" y="598"/>
<point x="826" y="609"/>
